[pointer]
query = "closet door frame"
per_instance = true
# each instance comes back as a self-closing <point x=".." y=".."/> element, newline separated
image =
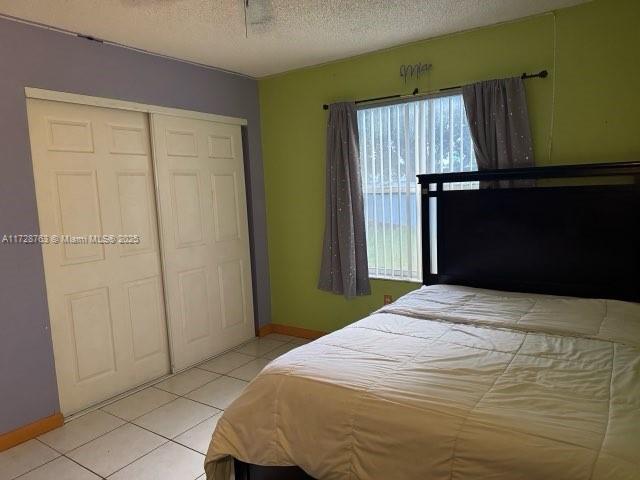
<point x="88" y="100"/>
<point x="66" y="97"/>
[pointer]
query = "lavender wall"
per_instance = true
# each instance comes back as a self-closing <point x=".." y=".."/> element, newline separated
<point x="36" y="57"/>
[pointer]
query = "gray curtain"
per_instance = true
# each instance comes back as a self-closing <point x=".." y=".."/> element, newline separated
<point x="499" y="124"/>
<point x="344" y="268"/>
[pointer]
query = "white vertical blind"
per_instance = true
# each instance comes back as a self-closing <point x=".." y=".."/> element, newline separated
<point x="397" y="142"/>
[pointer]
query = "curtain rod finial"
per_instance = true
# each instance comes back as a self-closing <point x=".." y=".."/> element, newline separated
<point x="540" y="74"/>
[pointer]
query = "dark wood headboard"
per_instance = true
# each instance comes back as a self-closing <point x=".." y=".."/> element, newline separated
<point x="578" y="240"/>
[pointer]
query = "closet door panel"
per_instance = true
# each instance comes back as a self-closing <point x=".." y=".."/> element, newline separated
<point x="204" y="232"/>
<point x="93" y="176"/>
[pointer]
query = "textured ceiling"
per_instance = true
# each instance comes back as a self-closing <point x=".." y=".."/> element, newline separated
<point x="282" y="34"/>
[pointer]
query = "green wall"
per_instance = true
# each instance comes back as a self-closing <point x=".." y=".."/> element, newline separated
<point x="595" y="119"/>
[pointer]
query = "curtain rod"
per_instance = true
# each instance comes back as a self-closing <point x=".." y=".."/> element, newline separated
<point x="416" y="92"/>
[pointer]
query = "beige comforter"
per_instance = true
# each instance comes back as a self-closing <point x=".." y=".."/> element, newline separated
<point x="451" y="383"/>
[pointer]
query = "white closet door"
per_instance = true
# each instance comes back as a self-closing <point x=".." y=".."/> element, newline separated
<point x="205" y="238"/>
<point x="93" y="176"/>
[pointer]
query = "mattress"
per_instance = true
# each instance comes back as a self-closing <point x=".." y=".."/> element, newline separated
<point x="451" y="383"/>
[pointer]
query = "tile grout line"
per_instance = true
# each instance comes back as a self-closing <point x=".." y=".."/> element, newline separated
<point x="172" y="440"/>
<point x="199" y="367"/>
<point x="126" y="422"/>
<point x="45" y="463"/>
<point x="64" y="454"/>
<point x="152" y="383"/>
<point x="168" y="440"/>
<point x="84" y="466"/>
<point x="184" y="396"/>
<point x="60" y="455"/>
<point x="135" y="460"/>
<point x="218" y="412"/>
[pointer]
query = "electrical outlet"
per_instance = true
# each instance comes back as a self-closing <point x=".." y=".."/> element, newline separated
<point x="388" y="299"/>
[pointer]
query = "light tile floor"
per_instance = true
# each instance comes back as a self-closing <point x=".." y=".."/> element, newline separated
<point x="159" y="433"/>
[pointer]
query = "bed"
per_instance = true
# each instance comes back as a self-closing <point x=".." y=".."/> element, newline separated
<point x="468" y="377"/>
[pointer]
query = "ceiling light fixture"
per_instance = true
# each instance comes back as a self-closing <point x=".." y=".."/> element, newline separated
<point x="256" y="13"/>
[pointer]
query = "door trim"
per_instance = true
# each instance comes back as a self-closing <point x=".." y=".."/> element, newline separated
<point x="66" y="97"/>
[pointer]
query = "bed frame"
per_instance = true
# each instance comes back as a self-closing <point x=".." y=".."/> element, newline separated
<point x="249" y="471"/>
<point x="564" y="234"/>
<point x="556" y="235"/>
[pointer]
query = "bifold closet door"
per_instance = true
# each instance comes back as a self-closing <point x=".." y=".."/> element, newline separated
<point x="93" y="176"/>
<point x="205" y="238"/>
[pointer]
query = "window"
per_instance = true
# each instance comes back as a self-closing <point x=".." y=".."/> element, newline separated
<point x="397" y="142"/>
